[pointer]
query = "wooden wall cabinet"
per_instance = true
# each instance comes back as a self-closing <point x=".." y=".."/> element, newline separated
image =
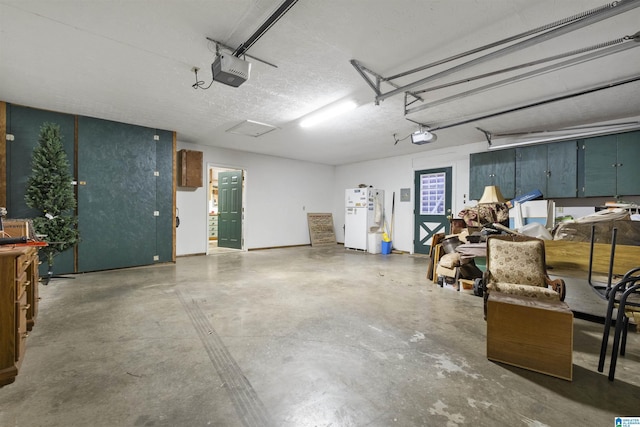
<point x="492" y="168"/>
<point x="189" y="168"/>
<point x="550" y="168"/>
<point x="602" y="166"/>
<point x="18" y="306"/>
<point x="610" y="166"/>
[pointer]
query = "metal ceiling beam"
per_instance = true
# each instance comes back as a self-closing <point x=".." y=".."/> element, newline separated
<point x="230" y="49"/>
<point x="361" y="69"/>
<point x="615" y="9"/>
<point x="503" y="41"/>
<point x="527" y="64"/>
<point x="271" y="20"/>
<point x="629" y="80"/>
<point x="565" y="134"/>
<point x="578" y="60"/>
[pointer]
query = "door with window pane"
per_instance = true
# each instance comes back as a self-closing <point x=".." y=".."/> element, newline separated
<point x="432" y="206"/>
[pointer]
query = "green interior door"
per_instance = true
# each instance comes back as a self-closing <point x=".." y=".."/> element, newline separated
<point x="116" y="195"/>
<point x="230" y="209"/>
<point x="432" y="206"/>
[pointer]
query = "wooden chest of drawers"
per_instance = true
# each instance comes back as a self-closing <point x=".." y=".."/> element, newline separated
<point x="18" y="306"/>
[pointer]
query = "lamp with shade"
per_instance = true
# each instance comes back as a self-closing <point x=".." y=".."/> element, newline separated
<point x="492" y="194"/>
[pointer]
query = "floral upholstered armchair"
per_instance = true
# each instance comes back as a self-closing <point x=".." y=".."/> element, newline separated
<point x="516" y="266"/>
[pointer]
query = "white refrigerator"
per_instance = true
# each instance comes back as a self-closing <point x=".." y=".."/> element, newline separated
<point x="364" y="214"/>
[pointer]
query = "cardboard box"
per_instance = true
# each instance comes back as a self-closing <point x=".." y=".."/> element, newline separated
<point x="15" y="227"/>
<point x="465" y="285"/>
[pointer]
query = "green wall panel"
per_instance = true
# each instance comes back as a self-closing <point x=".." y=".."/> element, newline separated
<point x="116" y="195"/>
<point x="119" y="191"/>
<point x="164" y="196"/>
<point x="24" y="123"/>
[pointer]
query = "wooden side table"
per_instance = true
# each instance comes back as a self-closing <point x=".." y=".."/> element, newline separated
<point x="530" y="333"/>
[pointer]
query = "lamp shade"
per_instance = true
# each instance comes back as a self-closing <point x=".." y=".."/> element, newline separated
<point x="492" y="194"/>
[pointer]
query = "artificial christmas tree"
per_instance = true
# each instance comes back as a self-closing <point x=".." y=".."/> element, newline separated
<point x="50" y="191"/>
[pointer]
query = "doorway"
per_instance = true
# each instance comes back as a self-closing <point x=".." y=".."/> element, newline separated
<point x="432" y="206"/>
<point x="225" y="209"/>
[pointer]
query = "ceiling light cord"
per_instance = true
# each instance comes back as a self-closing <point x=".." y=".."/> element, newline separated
<point x="398" y="140"/>
<point x="199" y="84"/>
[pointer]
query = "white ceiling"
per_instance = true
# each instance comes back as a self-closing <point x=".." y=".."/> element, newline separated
<point x="131" y="61"/>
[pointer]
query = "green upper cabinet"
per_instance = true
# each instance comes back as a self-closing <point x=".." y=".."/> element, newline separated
<point x="550" y="168"/>
<point x="562" y="162"/>
<point x="628" y="173"/>
<point x="609" y="165"/>
<point x="492" y="168"/>
<point x="531" y="169"/>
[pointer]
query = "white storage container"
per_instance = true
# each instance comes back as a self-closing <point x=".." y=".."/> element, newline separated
<point x="374" y="244"/>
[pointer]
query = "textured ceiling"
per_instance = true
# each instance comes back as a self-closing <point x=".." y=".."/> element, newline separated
<point x="131" y="61"/>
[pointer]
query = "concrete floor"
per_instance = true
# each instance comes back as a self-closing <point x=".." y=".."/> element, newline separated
<point x="290" y="337"/>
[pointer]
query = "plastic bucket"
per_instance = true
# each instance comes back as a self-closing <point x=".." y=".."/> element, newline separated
<point x="386" y="248"/>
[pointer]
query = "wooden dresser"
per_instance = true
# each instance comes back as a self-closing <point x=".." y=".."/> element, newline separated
<point x="18" y="306"/>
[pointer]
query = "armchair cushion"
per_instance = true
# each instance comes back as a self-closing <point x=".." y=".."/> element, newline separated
<point x="450" y="260"/>
<point x="524" y="290"/>
<point x="524" y="265"/>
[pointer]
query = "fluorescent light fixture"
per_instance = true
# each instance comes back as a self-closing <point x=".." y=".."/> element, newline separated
<point x="328" y="113"/>
<point x="565" y="135"/>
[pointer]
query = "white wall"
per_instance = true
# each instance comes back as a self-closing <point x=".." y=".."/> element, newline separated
<point x="394" y="173"/>
<point x="278" y="194"/>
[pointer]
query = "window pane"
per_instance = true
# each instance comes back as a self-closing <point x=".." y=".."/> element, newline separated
<point x="432" y="193"/>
